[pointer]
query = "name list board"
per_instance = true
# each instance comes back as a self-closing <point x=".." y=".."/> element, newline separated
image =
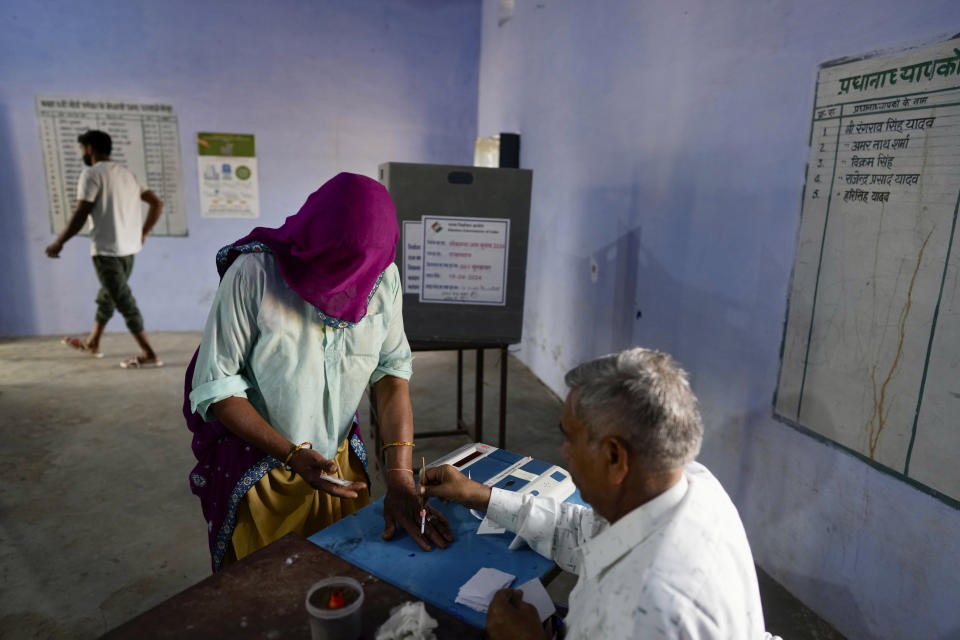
<point x="145" y="139"/>
<point x="871" y="349"/>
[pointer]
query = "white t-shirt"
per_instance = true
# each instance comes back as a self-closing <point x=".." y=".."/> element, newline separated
<point x="116" y="221"/>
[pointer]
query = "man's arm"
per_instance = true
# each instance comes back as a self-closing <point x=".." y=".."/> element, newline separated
<point x="153" y="212"/>
<point x="402" y="503"/>
<point x="553" y="529"/>
<point x="79" y="217"/>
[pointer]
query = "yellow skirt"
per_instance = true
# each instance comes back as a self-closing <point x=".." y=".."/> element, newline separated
<point x="282" y="502"/>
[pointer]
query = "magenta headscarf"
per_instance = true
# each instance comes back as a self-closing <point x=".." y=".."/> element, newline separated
<point x="333" y="251"/>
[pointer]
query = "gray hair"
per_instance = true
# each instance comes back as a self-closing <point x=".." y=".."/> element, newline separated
<point x="642" y="396"/>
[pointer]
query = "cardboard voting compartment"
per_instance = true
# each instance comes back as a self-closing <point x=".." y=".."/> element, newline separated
<point x="463" y="250"/>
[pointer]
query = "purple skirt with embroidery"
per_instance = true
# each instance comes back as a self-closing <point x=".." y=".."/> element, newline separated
<point x="227" y="467"/>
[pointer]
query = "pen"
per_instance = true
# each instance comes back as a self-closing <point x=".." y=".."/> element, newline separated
<point x="423" y="501"/>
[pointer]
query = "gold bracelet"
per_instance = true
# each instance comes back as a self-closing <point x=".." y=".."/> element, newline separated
<point x="401" y="469"/>
<point x="397" y="444"/>
<point x="286" y="461"/>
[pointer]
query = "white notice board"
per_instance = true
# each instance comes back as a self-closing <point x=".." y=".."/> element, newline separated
<point x="464" y="260"/>
<point x="871" y="348"/>
<point x="145" y="139"/>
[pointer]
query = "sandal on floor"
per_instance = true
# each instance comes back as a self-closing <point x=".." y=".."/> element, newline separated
<point x="138" y="363"/>
<point x="76" y="343"/>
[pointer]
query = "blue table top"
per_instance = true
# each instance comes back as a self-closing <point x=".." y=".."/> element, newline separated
<point x="435" y="576"/>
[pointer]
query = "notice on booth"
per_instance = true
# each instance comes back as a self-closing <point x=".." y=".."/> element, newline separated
<point x="464" y="260"/>
<point x="412" y="255"/>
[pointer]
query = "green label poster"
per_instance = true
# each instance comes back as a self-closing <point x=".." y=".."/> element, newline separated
<point x="227" y="170"/>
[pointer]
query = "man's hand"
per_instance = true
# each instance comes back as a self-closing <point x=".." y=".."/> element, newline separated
<point x="510" y="618"/>
<point x="401" y="508"/>
<point x="53" y="251"/>
<point x="310" y="465"/>
<point x="450" y="485"/>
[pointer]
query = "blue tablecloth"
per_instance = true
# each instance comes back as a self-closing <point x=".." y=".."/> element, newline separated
<point x="437" y="575"/>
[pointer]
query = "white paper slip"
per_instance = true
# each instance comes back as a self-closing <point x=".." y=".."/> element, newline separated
<point x="478" y="591"/>
<point x="536" y="594"/>
<point x="339" y="481"/>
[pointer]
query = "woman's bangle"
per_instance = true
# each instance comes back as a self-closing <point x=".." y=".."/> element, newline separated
<point x="401" y="469"/>
<point x="397" y="444"/>
<point x="302" y="445"/>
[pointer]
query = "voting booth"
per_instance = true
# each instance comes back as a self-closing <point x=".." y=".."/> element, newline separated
<point x="462" y="258"/>
<point x="463" y="250"/>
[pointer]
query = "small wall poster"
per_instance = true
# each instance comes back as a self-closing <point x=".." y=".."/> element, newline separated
<point x="227" y="169"/>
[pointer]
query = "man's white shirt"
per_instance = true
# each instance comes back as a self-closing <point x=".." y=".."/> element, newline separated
<point x="116" y="220"/>
<point x="678" y="566"/>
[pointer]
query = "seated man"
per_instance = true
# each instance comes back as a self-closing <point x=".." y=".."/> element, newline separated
<point x="662" y="553"/>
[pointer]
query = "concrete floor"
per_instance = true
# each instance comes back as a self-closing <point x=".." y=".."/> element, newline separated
<point x="97" y="522"/>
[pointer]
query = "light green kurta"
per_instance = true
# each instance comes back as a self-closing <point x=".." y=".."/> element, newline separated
<point x="265" y="343"/>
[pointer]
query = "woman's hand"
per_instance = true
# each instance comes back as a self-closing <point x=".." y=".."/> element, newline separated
<point x="310" y="465"/>
<point x="401" y="508"/>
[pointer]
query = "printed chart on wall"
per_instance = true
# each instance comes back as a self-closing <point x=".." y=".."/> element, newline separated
<point x="456" y="260"/>
<point x="227" y="169"/>
<point x="145" y="139"/>
<point x="871" y="350"/>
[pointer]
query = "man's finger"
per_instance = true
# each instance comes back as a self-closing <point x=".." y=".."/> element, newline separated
<point x="501" y="599"/>
<point x="438" y="475"/>
<point x="442" y="491"/>
<point x="433" y="475"/>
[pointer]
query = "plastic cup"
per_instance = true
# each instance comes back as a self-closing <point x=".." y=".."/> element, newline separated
<point x="345" y="623"/>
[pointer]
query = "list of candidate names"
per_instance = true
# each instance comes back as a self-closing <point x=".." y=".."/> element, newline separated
<point x="871" y="337"/>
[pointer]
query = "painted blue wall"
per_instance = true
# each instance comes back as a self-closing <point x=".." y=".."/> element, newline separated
<point x="668" y="142"/>
<point x="326" y="86"/>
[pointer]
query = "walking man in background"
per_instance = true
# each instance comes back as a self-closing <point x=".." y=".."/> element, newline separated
<point x="109" y="195"/>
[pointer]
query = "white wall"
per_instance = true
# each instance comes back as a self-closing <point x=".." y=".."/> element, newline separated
<point x="668" y="143"/>
<point x="326" y="86"/>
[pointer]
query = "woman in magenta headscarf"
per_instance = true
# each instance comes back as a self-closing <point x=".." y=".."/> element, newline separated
<point x="306" y="316"/>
